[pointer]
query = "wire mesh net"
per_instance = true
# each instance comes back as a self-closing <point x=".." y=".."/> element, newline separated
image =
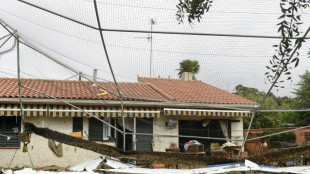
<point x="233" y="45"/>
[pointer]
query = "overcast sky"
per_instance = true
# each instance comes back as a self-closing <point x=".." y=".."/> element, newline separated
<point x="224" y="61"/>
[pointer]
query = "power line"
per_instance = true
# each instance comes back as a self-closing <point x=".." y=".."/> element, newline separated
<point x="158" y="32"/>
<point x="171" y="9"/>
<point x="198" y="34"/>
<point x="133" y="48"/>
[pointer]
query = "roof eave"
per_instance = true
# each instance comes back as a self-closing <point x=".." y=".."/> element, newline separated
<point x="168" y="104"/>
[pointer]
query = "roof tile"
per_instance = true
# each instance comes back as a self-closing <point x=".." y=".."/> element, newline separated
<point x="159" y="90"/>
<point x="196" y="91"/>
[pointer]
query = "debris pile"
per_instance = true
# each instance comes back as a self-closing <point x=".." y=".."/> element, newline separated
<point x="278" y="157"/>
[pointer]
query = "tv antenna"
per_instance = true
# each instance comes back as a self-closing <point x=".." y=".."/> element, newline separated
<point x="150" y="39"/>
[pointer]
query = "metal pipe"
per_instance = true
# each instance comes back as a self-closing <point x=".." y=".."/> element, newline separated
<point x="157" y="32"/>
<point x="19" y="85"/>
<point x="265" y="136"/>
<point x="198" y="34"/>
<point x="215" y="138"/>
<point x="293" y="110"/>
<point x="246" y="136"/>
<point x="5" y="41"/>
<point x="53" y="59"/>
<point x="184" y="136"/>
<point x="110" y="66"/>
<point x="275" y="81"/>
<point x="57" y="14"/>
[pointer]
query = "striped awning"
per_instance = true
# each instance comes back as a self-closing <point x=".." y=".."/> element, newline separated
<point x="69" y="111"/>
<point x="211" y="113"/>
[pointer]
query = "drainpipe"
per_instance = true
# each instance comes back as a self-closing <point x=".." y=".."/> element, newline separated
<point x="134" y="136"/>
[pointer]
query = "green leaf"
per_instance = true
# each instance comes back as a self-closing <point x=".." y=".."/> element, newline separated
<point x="294" y="60"/>
<point x="297" y="62"/>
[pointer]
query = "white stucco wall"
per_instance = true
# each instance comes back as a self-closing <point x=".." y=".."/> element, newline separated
<point x="159" y="127"/>
<point x="160" y="143"/>
<point x="38" y="148"/>
<point x="237" y="131"/>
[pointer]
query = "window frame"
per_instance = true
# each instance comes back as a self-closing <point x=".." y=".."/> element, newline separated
<point x="77" y="120"/>
<point x="14" y="138"/>
<point x="106" y="130"/>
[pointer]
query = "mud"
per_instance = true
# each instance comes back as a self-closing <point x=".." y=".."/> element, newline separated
<point x="270" y="158"/>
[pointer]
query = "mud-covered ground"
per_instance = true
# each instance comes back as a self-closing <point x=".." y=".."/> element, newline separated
<point x="279" y="157"/>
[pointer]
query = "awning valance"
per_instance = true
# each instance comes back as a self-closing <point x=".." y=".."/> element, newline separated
<point x="211" y="113"/>
<point x="69" y="111"/>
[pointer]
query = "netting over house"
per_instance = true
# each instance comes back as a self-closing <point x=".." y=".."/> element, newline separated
<point x="233" y="45"/>
<point x="225" y="61"/>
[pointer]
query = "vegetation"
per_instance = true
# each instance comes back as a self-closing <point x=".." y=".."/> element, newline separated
<point x="285" y="57"/>
<point x="285" y="137"/>
<point x="262" y="120"/>
<point x="189" y="66"/>
<point x="274" y="119"/>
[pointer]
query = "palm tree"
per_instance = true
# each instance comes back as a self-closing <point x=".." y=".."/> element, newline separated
<point x="189" y="66"/>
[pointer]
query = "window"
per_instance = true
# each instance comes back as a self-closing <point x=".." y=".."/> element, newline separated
<point x="6" y="128"/>
<point x="78" y="124"/>
<point x="98" y="130"/>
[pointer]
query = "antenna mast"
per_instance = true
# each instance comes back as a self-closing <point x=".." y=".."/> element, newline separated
<point x="151" y="47"/>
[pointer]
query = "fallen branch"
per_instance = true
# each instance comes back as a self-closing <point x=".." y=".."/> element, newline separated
<point x="269" y="158"/>
<point x="167" y="158"/>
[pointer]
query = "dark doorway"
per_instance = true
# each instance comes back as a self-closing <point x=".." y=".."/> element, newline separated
<point x="120" y="139"/>
<point x="195" y="128"/>
<point x="144" y="142"/>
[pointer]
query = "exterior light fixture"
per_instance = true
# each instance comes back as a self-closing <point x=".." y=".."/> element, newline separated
<point x="15" y="130"/>
<point x="265" y="144"/>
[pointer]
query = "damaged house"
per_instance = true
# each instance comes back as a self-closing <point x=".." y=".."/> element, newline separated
<point x="158" y="112"/>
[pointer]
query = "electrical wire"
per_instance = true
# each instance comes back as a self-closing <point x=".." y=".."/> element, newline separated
<point x="181" y="33"/>
<point x="156" y="32"/>
<point x="132" y="48"/>
<point x="171" y="9"/>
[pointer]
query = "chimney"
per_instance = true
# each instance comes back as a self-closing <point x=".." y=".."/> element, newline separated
<point x="80" y="76"/>
<point x="95" y="75"/>
<point x="187" y="76"/>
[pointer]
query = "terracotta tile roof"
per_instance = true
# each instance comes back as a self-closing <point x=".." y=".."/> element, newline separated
<point x="159" y="90"/>
<point x="195" y="91"/>
<point x="77" y="90"/>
